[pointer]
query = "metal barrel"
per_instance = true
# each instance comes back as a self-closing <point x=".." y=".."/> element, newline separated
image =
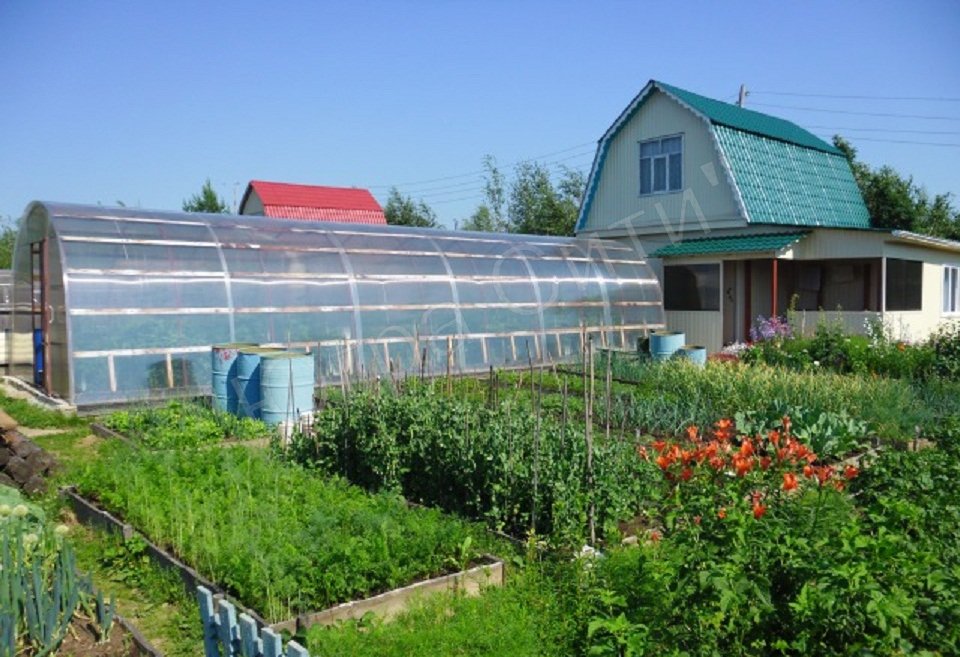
<point x="223" y="367"/>
<point x="664" y="344"/>
<point x="695" y="353"/>
<point x="286" y="386"/>
<point x="247" y="381"/>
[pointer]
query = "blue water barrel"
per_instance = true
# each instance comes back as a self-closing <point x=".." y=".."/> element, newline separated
<point x="223" y="366"/>
<point x="248" y="380"/>
<point x="286" y="386"/>
<point x="664" y="344"/>
<point x="695" y="353"/>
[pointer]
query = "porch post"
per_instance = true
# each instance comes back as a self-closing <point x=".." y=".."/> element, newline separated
<point x="883" y="284"/>
<point x="774" y="291"/>
<point x="747" y="294"/>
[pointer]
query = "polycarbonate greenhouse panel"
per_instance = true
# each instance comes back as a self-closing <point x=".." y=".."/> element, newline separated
<point x="138" y="297"/>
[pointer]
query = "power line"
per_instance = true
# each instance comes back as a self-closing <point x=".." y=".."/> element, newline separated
<point x="884" y="114"/>
<point x="481" y="171"/>
<point x="931" y="99"/>
<point x="915" y="132"/>
<point x="912" y="143"/>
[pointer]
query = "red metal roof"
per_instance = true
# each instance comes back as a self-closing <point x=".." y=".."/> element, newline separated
<point x="316" y="202"/>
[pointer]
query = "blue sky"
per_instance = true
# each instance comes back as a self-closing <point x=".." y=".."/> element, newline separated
<point x="140" y="102"/>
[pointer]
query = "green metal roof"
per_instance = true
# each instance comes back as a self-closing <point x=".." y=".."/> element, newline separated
<point x="743" y="119"/>
<point x="732" y="244"/>
<point x="789" y="185"/>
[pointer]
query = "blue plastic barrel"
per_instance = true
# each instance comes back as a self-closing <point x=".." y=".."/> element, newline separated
<point x="38" y="363"/>
<point x="664" y="344"/>
<point x="223" y="365"/>
<point x="248" y="380"/>
<point x="286" y="386"/>
<point x="695" y="353"/>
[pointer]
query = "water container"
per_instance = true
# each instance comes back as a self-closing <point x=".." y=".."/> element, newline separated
<point x="286" y="386"/>
<point x="223" y="365"/>
<point x="248" y="380"/>
<point x="695" y="353"/>
<point x="664" y="344"/>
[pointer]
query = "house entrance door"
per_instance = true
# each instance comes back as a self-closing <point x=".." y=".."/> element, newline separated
<point x="733" y="300"/>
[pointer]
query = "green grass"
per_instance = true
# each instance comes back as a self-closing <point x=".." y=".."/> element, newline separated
<point x="31" y="415"/>
<point x="184" y="424"/>
<point x="283" y="540"/>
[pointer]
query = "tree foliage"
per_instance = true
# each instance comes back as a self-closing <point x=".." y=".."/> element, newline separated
<point x="402" y="210"/>
<point x="531" y="203"/>
<point x="206" y="201"/>
<point x="896" y="202"/>
<point x="8" y="237"/>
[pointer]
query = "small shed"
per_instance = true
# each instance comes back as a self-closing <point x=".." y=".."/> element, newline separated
<point x="352" y="205"/>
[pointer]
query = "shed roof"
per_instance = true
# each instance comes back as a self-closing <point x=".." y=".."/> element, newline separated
<point x="315" y="202"/>
<point x="731" y="244"/>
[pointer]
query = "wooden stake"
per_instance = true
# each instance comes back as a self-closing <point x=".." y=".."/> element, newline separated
<point x="588" y="412"/>
<point x="609" y="386"/>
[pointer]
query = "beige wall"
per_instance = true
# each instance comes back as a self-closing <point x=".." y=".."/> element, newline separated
<point x="702" y="327"/>
<point x="707" y="199"/>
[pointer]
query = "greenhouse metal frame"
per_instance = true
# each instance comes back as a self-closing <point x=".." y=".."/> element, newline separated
<point x="123" y="304"/>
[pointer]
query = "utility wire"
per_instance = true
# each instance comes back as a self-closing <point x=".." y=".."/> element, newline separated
<point x="915" y="132"/>
<point x="884" y="114"/>
<point x="930" y="99"/>
<point x="905" y="141"/>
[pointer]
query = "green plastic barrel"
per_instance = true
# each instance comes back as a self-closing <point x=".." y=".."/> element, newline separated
<point x="286" y="386"/>
<point x="223" y="366"/>
<point x="248" y="380"/>
<point x="664" y="344"/>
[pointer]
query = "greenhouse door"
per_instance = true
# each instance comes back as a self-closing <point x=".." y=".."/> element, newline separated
<point x="38" y="315"/>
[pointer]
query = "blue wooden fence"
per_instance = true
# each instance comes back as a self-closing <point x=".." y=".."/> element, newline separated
<point x="226" y="636"/>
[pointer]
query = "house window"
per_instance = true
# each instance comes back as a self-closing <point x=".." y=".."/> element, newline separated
<point x="661" y="165"/>
<point x="951" y="289"/>
<point x="904" y="284"/>
<point x="691" y="287"/>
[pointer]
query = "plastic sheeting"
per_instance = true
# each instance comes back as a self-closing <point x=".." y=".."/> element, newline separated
<point x="135" y="298"/>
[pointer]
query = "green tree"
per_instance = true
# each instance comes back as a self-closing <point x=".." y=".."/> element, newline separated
<point x="8" y="237"/>
<point x="896" y="202"/>
<point x="206" y="201"/>
<point x="489" y="216"/>
<point x="402" y="210"/>
<point x="537" y="207"/>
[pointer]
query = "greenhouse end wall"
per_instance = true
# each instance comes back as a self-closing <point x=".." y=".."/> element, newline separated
<point x="134" y="299"/>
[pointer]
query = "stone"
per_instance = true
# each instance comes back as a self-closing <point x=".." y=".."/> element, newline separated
<point x="24" y="448"/>
<point x="35" y="485"/>
<point x="40" y="461"/>
<point x="5" y="455"/>
<point x="19" y="470"/>
<point x="7" y="481"/>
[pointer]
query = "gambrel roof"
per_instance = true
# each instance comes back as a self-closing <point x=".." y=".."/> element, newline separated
<point x="781" y="174"/>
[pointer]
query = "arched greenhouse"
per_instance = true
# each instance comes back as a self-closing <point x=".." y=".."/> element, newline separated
<point x="124" y="304"/>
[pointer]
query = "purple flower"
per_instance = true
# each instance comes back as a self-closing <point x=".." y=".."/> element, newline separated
<point x="769" y="329"/>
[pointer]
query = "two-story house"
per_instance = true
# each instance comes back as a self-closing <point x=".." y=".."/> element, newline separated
<point x="746" y="214"/>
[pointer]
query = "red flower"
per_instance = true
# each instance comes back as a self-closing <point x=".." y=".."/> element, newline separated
<point x="758" y="511"/>
<point x="655" y="536"/>
<point x="659" y="445"/>
<point x="808" y="471"/>
<point x="774" y="437"/>
<point x="764" y="462"/>
<point x="789" y="481"/>
<point x="850" y="472"/>
<point x="686" y="474"/>
<point x="722" y="513"/>
<point x="696" y="520"/>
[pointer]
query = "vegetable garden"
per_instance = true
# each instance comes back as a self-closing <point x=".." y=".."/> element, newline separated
<point x="741" y="508"/>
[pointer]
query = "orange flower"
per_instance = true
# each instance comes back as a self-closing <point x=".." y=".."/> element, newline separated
<point x="789" y="481"/>
<point x="774" y="437"/>
<point x="850" y="472"/>
<point x="717" y="463"/>
<point x="742" y="465"/>
<point x="642" y="453"/>
<point x="692" y="432"/>
<point x="839" y="485"/>
<point x="722" y="513"/>
<point x="901" y="346"/>
<point x="686" y="474"/>
<point x="746" y="448"/>
<point x="659" y="445"/>
<point x="808" y="471"/>
<point x="687" y="455"/>
<point x="758" y="511"/>
<point x="655" y="536"/>
<point x="824" y="473"/>
<point x="723" y="429"/>
<point x="764" y="462"/>
<point x="663" y="461"/>
<point x="786" y="424"/>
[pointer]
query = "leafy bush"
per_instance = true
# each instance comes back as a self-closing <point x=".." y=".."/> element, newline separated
<point x="184" y="424"/>
<point x="494" y="462"/>
<point x="282" y="539"/>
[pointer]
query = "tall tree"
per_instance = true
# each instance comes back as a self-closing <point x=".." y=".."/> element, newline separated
<point x="206" y="201"/>
<point x="489" y="215"/>
<point x="896" y="202"/>
<point x="537" y="207"/>
<point x="402" y="210"/>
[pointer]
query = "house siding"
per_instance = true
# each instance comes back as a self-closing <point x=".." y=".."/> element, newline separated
<point x="700" y="327"/>
<point x="707" y="200"/>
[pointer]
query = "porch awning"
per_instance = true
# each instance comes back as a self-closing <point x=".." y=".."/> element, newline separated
<point x="731" y="244"/>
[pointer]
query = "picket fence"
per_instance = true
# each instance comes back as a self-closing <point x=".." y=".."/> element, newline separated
<point x="226" y="635"/>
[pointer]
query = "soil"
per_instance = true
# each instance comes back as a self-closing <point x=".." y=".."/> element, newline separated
<point x="81" y="641"/>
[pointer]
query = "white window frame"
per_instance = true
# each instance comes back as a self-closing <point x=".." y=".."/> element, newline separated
<point x="950" y="304"/>
<point x="666" y="157"/>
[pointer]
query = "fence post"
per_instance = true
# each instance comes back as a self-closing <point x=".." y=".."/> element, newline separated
<point x="272" y="643"/>
<point x="250" y="644"/>
<point x="229" y="632"/>
<point x="209" y="620"/>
